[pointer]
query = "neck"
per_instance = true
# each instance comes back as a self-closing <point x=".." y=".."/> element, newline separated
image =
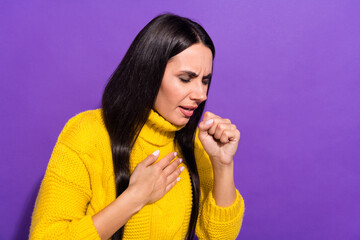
<point x="157" y="130"/>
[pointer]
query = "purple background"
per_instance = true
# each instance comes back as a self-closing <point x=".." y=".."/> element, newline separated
<point x="286" y="73"/>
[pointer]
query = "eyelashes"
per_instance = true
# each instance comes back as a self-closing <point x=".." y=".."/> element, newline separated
<point x="184" y="80"/>
<point x="205" y="82"/>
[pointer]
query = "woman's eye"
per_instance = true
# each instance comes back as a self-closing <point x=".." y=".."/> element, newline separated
<point x="185" y="80"/>
<point x="206" y="82"/>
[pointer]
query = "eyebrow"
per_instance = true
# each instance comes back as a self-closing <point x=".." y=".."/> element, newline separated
<point x="194" y="75"/>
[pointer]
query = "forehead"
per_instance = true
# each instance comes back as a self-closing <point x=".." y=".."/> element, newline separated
<point x="196" y="58"/>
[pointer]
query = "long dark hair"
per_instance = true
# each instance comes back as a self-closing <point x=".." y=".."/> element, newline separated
<point x="131" y="92"/>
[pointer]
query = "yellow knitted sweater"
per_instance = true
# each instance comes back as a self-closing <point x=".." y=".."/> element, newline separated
<point x="79" y="182"/>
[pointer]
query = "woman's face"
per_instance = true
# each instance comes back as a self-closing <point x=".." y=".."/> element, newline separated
<point x="185" y="83"/>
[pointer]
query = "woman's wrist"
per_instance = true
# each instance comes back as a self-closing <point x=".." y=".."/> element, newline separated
<point x="117" y="213"/>
<point x="220" y="166"/>
<point x="224" y="191"/>
<point x="137" y="202"/>
<point x="224" y="175"/>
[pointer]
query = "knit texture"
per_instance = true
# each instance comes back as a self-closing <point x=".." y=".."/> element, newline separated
<point x="79" y="182"/>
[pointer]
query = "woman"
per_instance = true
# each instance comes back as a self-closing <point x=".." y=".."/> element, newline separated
<point x="139" y="168"/>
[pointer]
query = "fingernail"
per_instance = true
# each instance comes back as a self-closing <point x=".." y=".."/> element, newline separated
<point x="175" y="153"/>
<point x="156" y="153"/>
<point x="178" y="179"/>
<point x="182" y="169"/>
<point x="210" y="121"/>
<point x="180" y="160"/>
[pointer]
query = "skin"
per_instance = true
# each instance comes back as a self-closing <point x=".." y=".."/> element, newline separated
<point x="150" y="181"/>
<point x="220" y="137"/>
<point x="175" y="92"/>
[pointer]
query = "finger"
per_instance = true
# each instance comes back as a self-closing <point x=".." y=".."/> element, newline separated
<point x="164" y="162"/>
<point x="208" y="115"/>
<point x="227" y="136"/>
<point x="204" y="126"/>
<point x="207" y="121"/>
<point x="172" y="184"/>
<point x="174" y="178"/>
<point x="237" y="133"/>
<point x="212" y="129"/>
<point x="220" y="128"/>
<point x="226" y="120"/>
<point x="237" y="137"/>
<point x="219" y="120"/>
<point x="151" y="158"/>
<point x="172" y="166"/>
<point x="175" y="174"/>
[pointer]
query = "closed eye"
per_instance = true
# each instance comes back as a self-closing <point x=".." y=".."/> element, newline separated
<point x="206" y="81"/>
<point x="185" y="80"/>
<point x="190" y="75"/>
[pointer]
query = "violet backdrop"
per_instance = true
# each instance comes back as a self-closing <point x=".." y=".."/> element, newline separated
<point x="286" y="73"/>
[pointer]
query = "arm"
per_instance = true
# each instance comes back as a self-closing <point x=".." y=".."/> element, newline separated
<point x="116" y="214"/>
<point x="60" y="209"/>
<point x="222" y="205"/>
<point x="214" y="221"/>
<point x="224" y="191"/>
<point x="62" y="201"/>
<point x="149" y="182"/>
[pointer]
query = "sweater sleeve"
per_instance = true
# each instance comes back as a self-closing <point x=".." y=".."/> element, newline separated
<point x="215" y="222"/>
<point x="65" y="192"/>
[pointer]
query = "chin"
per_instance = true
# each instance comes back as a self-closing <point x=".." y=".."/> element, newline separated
<point x="180" y="123"/>
<point x="177" y="119"/>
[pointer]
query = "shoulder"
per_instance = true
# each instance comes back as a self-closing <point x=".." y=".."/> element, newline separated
<point x="84" y="129"/>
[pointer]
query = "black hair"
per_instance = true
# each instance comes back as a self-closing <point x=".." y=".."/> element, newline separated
<point x="131" y="92"/>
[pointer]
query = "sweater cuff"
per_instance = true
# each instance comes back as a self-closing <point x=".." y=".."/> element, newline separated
<point x="224" y="214"/>
<point x="86" y="229"/>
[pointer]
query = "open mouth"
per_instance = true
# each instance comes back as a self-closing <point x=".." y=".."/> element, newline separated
<point x="187" y="111"/>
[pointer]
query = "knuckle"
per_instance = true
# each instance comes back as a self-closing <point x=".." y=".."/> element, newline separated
<point x="163" y="177"/>
<point x="157" y="170"/>
<point x="221" y="126"/>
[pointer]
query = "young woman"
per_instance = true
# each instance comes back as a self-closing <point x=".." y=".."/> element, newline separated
<point x="142" y="167"/>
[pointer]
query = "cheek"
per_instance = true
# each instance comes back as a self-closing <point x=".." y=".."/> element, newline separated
<point x="173" y="92"/>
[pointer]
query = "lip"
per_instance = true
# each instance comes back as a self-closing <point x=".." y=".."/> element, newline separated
<point x="190" y="107"/>
<point x="186" y="112"/>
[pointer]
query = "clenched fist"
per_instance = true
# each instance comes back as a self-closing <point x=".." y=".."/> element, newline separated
<point x="220" y="139"/>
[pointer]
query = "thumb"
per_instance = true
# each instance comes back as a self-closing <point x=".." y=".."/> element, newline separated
<point x="206" y="125"/>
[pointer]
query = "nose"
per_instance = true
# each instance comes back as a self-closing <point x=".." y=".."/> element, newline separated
<point x="198" y="91"/>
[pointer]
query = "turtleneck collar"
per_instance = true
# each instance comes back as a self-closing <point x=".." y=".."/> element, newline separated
<point x="157" y="130"/>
